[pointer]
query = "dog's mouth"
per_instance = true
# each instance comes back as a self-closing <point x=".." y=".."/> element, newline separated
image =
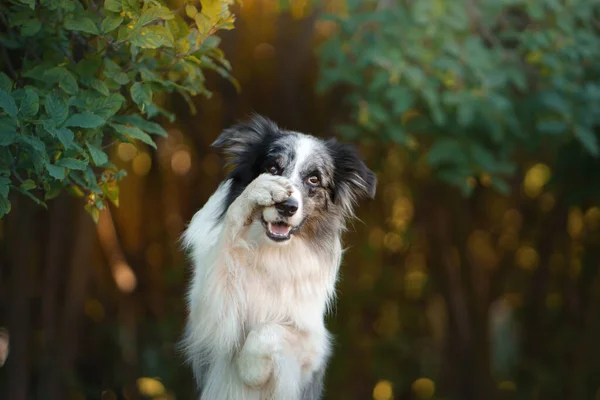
<point x="279" y="231"/>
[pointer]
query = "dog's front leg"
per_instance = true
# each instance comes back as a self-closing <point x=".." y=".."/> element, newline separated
<point x="264" y="191"/>
<point x="266" y="363"/>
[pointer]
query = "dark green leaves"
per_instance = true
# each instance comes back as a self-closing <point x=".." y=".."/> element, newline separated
<point x="85" y="120"/>
<point x="147" y="126"/>
<point x="8" y="131"/>
<point x="81" y="24"/>
<point x="113" y="5"/>
<point x="141" y="94"/>
<point x="587" y="138"/>
<point x="7" y="103"/>
<point x="134" y="133"/>
<point x="30" y="104"/>
<point x="98" y="156"/>
<point x="111" y="23"/>
<point x="72" y="163"/>
<point x="31" y="27"/>
<point x="57" y="108"/>
<point x="55" y="171"/>
<point x="80" y="72"/>
<point x="152" y="37"/>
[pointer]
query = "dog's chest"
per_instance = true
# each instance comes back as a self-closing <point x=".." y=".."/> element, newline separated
<point x="288" y="287"/>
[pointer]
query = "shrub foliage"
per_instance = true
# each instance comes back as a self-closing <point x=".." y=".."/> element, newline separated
<point x="472" y="81"/>
<point x="79" y="76"/>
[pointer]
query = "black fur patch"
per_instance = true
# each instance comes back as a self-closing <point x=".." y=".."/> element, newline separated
<point x="248" y="146"/>
<point x="352" y="179"/>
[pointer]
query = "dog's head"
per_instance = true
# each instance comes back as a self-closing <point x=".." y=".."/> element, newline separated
<point x="328" y="177"/>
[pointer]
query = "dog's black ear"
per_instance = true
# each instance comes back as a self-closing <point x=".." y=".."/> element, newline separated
<point x="239" y="139"/>
<point x="352" y="179"/>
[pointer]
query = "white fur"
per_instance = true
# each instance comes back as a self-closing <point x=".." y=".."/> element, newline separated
<point x="256" y="324"/>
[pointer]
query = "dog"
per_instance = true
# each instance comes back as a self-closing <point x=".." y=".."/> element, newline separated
<point x="266" y="250"/>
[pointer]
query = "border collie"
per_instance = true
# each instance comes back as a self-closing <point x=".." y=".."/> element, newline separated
<point x="266" y="251"/>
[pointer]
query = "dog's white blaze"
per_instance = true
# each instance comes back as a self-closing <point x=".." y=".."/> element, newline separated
<point x="304" y="150"/>
<point x="245" y="283"/>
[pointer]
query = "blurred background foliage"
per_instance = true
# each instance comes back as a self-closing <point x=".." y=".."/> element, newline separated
<point x="473" y="275"/>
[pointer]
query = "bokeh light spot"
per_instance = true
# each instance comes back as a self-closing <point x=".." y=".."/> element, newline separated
<point x="393" y="241"/>
<point x="263" y="51"/>
<point x="535" y="179"/>
<point x="181" y="162"/>
<point x="507" y="385"/>
<point x="124" y="277"/>
<point x="126" y="151"/>
<point x="575" y="223"/>
<point x="423" y="388"/>
<point x="592" y="218"/>
<point x="141" y="164"/>
<point x="151" y="387"/>
<point x="383" y="390"/>
<point x="94" y="310"/>
<point x="527" y="258"/>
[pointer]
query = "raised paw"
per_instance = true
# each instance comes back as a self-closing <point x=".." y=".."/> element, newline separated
<point x="255" y="361"/>
<point x="267" y="190"/>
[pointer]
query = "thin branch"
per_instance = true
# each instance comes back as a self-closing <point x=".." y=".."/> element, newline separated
<point x="16" y="174"/>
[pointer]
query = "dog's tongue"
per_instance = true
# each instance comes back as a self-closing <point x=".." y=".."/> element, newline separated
<point x="280" y="229"/>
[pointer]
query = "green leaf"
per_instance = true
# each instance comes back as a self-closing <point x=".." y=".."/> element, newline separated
<point x="31" y="27"/>
<point x="93" y="211"/>
<point x="33" y="142"/>
<point x="152" y="37"/>
<point x="552" y="127"/>
<point x="153" y="14"/>
<point x="65" y="79"/>
<point x="88" y="67"/>
<point x="85" y="120"/>
<point x="81" y="24"/>
<point x="7" y="103"/>
<point x="100" y="86"/>
<point x="132" y="6"/>
<point x="30" y="3"/>
<point x="56" y="108"/>
<point x="98" y="156"/>
<point x="111" y="191"/>
<point x="28" y="184"/>
<point x="113" y="5"/>
<point x="146" y="126"/>
<point x="8" y="132"/>
<point x="191" y="10"/>
<point x="555" y="101"/>
<point x="134" y="133"/>
<point x="587" y="138"/>
<point x="111" y="23"/>
<point x="68" y="83"/>
<point x="66" y="136"/>
<point x="141" y="94"/>
<point x="444" y="151"/>
<point x="5" y="83"/>
<point x="55" y="171"/>
<point x="30" y="105"/>
<point x="4" y="186"/>
<point x="114" y="72"/>
<point x="73" y="163"/>
<point x="4" y="206"/>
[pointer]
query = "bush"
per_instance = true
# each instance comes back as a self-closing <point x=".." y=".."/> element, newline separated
<point x="471" y="82"/>
<point x="79" y="77"/>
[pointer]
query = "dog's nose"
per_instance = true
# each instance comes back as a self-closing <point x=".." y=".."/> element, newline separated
<point x="287" y="208"/>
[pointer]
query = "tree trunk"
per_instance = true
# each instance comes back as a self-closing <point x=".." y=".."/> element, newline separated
<point x="20" y="236"/>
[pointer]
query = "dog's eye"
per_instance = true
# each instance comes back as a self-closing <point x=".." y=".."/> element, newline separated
<point x="273" y="170"/>
<point x="313" y="180"/>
